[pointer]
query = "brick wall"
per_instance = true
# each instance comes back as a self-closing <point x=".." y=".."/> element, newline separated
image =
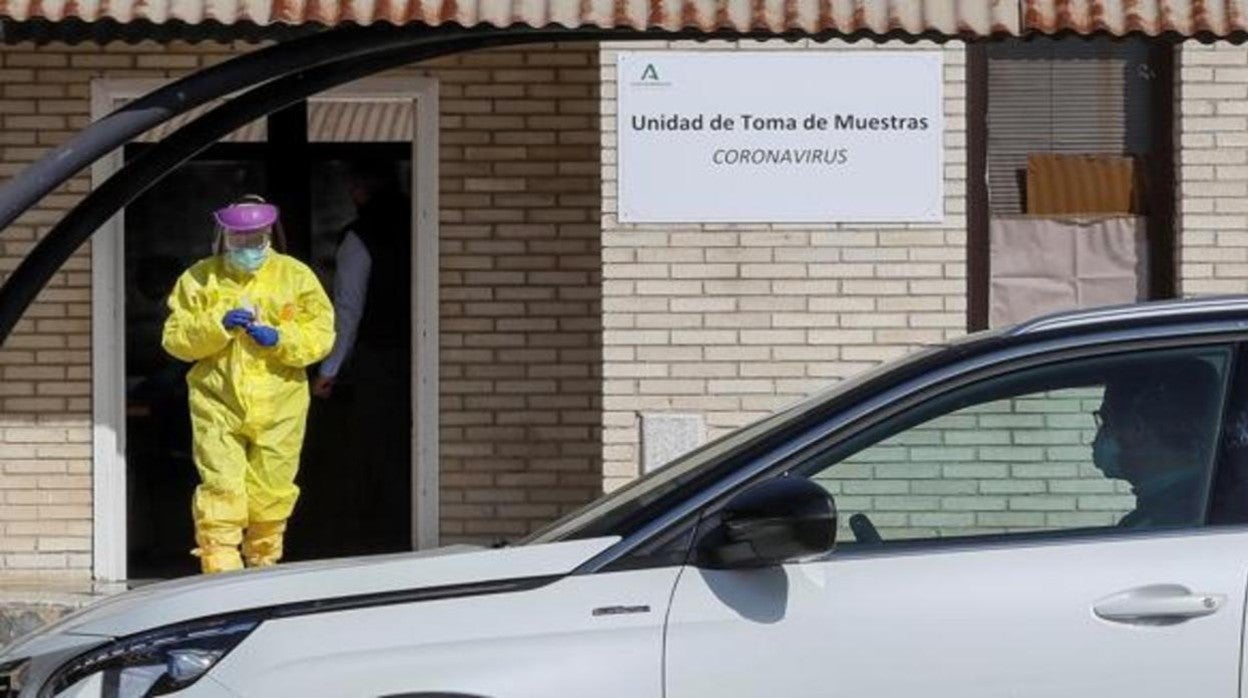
<point x="731" y="322"/>
<point x="45" y="390"/>
<point x="1023" y="464"/>
<point x="1213" y="168"/>
<point x="520" y="284"/>
<point x="521" y="288"/>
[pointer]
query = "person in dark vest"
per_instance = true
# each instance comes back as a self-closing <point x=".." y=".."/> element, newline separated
<point x="371" y="358"/>
<point x="373" y="276"/>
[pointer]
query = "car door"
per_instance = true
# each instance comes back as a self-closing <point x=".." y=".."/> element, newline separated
<point x="989" y="553"/>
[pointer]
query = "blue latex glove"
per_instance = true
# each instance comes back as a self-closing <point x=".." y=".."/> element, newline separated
<point x="238" y="317"/>
<point x="264" y="335"/>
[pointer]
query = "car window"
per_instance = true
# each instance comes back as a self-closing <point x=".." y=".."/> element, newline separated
<point x="1120" y="442"/>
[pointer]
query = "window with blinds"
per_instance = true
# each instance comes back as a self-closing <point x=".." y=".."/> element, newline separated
<point x="1072" y="197"/>
<point x="1071" y="96"/>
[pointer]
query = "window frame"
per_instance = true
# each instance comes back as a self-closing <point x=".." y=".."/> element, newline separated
<point x="1159" y="175"/>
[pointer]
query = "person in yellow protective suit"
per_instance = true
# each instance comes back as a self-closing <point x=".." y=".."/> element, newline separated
<point x="251" y="320"/>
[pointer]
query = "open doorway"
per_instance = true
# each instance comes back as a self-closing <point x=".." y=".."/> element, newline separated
<point x="357" y="473"/>
<point x="356" y="465"/>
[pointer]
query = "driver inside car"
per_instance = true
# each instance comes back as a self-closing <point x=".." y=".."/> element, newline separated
<point x="1154" y="430"/>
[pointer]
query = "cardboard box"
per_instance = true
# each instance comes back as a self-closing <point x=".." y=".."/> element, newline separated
<point x="1060" y="184"/>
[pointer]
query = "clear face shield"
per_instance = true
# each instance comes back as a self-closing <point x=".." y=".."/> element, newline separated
<point x="245" y="233"/>
<point x="261" y="239"/>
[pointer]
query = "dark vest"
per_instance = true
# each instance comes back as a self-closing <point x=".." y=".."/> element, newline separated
<point x="384" y="226"/>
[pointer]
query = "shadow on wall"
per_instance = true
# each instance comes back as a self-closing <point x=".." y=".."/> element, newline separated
<point x="521" y="322"/>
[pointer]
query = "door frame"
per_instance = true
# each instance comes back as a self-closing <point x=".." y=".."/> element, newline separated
<point x="108" y="366"/>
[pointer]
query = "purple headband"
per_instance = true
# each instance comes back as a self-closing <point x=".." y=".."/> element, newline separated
<point x="245" y="217"/>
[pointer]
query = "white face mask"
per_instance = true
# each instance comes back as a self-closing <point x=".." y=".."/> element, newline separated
<point x="247" y="259"/>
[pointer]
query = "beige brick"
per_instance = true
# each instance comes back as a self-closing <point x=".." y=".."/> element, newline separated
<point x="669" y="288"/>
<point x="1194" y="55"/>
<point x="1216" y="92"/>
<point x="35" y="59"/>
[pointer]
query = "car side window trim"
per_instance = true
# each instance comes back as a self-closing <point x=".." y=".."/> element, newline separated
<point x="1235" y="397"/>
<point x="1229" y="390"/>
<point x="1016" y="541"/>
<point x="843" y="426"/>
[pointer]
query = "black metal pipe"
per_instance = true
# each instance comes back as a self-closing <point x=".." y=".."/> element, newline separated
<point x="132" y="120"/>
<point x="141" y="115"/>
<point x="38" y="267"/>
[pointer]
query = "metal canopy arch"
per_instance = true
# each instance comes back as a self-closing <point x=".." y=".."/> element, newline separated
<point x="133" y="119"/>
<point x="317" y="64"/>
<point x="77" y="226"/>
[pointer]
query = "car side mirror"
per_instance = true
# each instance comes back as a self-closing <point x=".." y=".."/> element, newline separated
<point x="770" y="523"/>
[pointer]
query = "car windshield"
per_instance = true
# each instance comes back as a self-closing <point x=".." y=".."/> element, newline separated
<point x="607" y="515"/>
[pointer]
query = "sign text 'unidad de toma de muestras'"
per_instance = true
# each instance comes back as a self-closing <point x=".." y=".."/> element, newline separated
<point x="761" y="137"/>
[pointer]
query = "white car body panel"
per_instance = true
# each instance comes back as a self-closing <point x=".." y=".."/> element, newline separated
<point x="540" y="643"/>
<point x="1014" y="621"/>
<point x="50" y="640"/>
<point x="197" y="597"/>
<point x="206" y="687"/>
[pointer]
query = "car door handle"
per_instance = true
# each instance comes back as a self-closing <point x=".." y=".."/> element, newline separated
<point x="1158" y="604"/>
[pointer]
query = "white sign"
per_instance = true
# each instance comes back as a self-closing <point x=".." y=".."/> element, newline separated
<point x="754" y="137"/>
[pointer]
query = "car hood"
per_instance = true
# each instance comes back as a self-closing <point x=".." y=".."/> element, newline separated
<point x="196" y="597"/>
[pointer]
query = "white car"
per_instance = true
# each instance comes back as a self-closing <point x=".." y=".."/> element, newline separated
<point x="1054" y="510"/>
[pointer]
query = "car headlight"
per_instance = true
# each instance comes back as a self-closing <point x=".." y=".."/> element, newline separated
<point x="155" y="662"/>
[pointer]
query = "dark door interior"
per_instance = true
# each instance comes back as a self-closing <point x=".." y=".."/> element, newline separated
<point x="356" y="496"/>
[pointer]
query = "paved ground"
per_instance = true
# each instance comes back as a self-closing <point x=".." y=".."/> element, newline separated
<point x="26" y="606"/>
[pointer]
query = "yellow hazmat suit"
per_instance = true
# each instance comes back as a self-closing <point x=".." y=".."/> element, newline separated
<point x="248" y="403"/>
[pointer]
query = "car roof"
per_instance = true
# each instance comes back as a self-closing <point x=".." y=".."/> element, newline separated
<point x="1186" y="310"/>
